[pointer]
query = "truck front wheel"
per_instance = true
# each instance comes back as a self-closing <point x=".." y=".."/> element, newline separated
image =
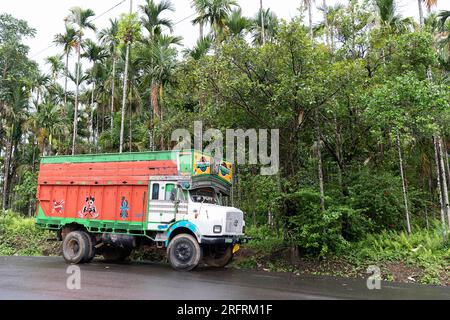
<point x="76" y="247"/>
<point x="219" y="256"/>
<point x="184" y="252"/>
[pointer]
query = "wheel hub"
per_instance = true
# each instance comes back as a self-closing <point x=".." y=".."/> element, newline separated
<point x="183" y="252"/>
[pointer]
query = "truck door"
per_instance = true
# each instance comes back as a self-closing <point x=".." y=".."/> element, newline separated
<point x="162" y="208"/>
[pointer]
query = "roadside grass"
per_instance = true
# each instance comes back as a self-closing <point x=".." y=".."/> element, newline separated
<point x="20" y="236"/>
<point x="423" y="249"/>
<point x="422" y="257"/>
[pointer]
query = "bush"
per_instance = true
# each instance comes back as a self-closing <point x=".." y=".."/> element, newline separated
<point x="378" y="196"/>
<point x="315" y="231"/>
<point x="20" y="236"/>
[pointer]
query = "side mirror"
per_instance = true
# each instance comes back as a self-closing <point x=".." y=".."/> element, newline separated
<point x="173" y="195"/>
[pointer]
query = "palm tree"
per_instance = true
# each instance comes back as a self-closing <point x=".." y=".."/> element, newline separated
<point x="237" y="24"/>
<point x="200" y="6"/>
<point x="390" y="21"/>
<point x="429" y="4"/>
<point x="80" y="18"/>
<point x="129" y="31"/>
<point x="152" y="20"/>
<point x="56" y="66"/>
<point x="308" y="5"/>
<point x="201" y="48"/>
<point x="15" y="113"/>
<point x="94" y="54"/>
<point x="270" y="24"/>
<point x="108" y="37"/>
<point x="68" y="41"/>
<point x="215" y="13"/>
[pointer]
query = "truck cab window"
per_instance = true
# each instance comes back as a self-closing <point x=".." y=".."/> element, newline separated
<point x="204" y="196"/>
<point x="169" y="188"/>
<point x="155" y="191"/>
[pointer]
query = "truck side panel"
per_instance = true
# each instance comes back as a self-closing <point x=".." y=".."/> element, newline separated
<point x="110" y="203"/>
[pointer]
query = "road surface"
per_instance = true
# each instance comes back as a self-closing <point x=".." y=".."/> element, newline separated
<point x="46" y="278"/>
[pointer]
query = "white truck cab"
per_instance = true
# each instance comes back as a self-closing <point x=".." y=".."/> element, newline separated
<point x="190" y="216"/>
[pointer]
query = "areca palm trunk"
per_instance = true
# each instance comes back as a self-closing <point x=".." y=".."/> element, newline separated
<point x="444" y="180"/>
<point x="75" y="113"/>
<point x="65" y="80"/>
<point x="7" y="165"/>
<point x="421" y="19"/>
<point x="112" y="93"/>
<point x="91" y="124"/>
<point x="319" y="163"/>
<point x="405" y="192"/>
<point x="124" y="97"/>
<point x="439" y="179"/>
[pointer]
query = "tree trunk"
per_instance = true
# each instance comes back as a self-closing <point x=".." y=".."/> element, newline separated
<point x="421" y="19"/>
<point x="75" y="113"/>
<point x="201" y="27"/>
<point x="263" y="31"/>
<point x="319" y="163"/>
<point x="91" y="120"/>
<point x="112" y="94"/>
<point x="124" y="98"/>
<point x="311" y="36"/>
<point x="405" y="192"/>
<point x="327" y="27"/>
<point x="447" y="165"/>
<point x="439" y="179"/>
<point x="65" y="80"/>
<point x="444" y="180"/>
<point x="7" y="165"/>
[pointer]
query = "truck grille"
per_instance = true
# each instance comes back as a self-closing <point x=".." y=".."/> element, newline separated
<point x="234" y="222"/>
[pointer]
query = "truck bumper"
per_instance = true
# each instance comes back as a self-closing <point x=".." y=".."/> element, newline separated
<point x="223" y="240"/>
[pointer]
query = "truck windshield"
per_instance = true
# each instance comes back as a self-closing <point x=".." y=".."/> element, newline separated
<point x="205" y="196"/>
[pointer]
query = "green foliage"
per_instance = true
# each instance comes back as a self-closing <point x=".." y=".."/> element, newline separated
<point x="424" y="248"/>
<point x="26" y="189"/>
<point x="313" y="230"/>
<point x="19" y="236"/>
<point x="129" y="29"/>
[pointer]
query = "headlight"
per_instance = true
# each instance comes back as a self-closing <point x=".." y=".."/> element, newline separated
<point x="217" y="229"/>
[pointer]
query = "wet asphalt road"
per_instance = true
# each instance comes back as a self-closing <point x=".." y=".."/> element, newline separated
<point x="45" y="278"/>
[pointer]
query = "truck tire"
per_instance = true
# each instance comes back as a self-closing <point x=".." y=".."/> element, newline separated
<point x="76" y="247"/>
<point x="91" y="248"/>
<point x="184" y="252"/>
<point x="219" y="257"/>
<point x="116" y="254"/>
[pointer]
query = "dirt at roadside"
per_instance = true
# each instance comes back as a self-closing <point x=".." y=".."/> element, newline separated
<point x="281" y="260"/>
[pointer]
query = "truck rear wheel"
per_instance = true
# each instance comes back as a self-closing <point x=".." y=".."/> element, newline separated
<point x="91" y="248"/>
<point x="76" y="247"/>
<point x="184" y="252"/>
<point x="219" y="256"/>
<point x="115" y="254"/>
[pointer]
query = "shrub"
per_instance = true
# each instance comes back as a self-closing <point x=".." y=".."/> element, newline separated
<point x="313" y="230"/>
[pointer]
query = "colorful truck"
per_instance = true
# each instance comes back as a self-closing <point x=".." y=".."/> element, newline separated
<point x="110" y="204"/>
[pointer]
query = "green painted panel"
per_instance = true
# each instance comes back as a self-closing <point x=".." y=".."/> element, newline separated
<point x="56" y="223"/>
<point x="124" y="157"/>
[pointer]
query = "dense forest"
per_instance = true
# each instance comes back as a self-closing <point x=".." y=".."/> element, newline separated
<point x="361" y="99"/>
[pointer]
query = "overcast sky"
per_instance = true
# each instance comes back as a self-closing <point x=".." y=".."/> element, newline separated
<point x="46" y="16"/>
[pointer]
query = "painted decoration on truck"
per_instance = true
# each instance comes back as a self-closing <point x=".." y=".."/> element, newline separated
<point x="202" y="164"/>
<point x="89" y="210"/>
<point x="124" y="208"/>
<point x="58" y="207"/>
<point x="226" y="171"/>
